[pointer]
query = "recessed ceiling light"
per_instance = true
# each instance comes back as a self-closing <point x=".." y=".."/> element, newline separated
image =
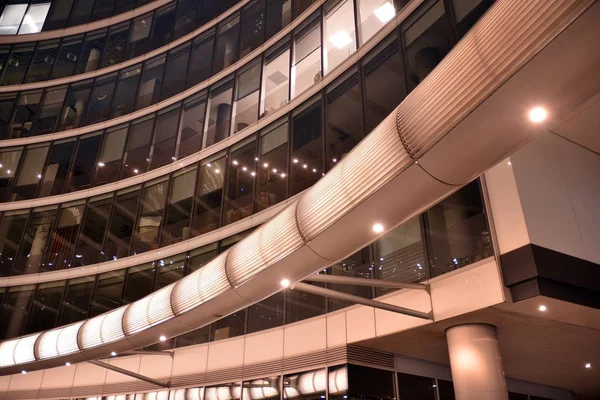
<point x="538" y="114"/>
<point x="285" y="282"/>
<point x="542" y="308"/>
<point x="340" y="39"/>
<point x="162" y="338"/>
<point x="23" y="372"/>
<point x="101" y="164"/>
<point x="377" y="228"/>
<point x="588" y="365"/>
<point x="67" y="364"/>
<point x="113" y="353"/>
<point x="385" y="13"/>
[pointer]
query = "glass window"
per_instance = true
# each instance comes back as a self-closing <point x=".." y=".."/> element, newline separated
<point x="308" y="385"/>
<point x="76" y="301"/>
<point x="340" y="37"/>
<point x="11" y="18"/>
<point x="416" y="387"/>
<point x="230" y="391"/>
<point x="200" y="63"/>
<point x="109" y="290"/>
<point x="227" y="44"/>
<point x="58" y="15"/>
<point x="89" y="246"/>
<point x="197" y="336"/>
<point x="43" y="60"/>
<point x="253" y="27"/>
<point x="192" y="125"/>
<point x="185" y="17"/>
<point x="115" y="45"/>
<point x="301" y="305"/>
<point x="81" y="11"/>
<point x="122" y="222"/>
<point x="306" y="67"/>
<point x="466" y="13"/>
<point x="151" y="216"/>
<point x="84" y="162"/>
<point x="140" y="280"/>
<point x="276" y="80"/>
<point x="34" y="18"/>
<point x="273" y="151"/>
<point x="15" y="310"/>
<point x="373" y="15"/>
<point x="209" y="193"/>
<point x="35" y="241"/>
<point x="169" y="270"/>
<point x="355" y="266"/>
<point x="99" y="106"/>
<point x="77" y="99"/>
<point x="57" y="168"/>
<point x="231" y="240"/>
<point x="30" y="174"/>
<point x="124" y="101"/>
<point x="165" y="137"/>
<point x="279" y="15"/>
<point x="198" y="258"/>
<point x="62" y="244"/>
<point x="384" y="81"/>
<point x="370" y="383"/>
<point x="427" y="39"/>
<point x="25" y="112"/>
<point x="92" y="51"/>
<point x="12" y="228"/>
<point x="103" y="9"/>
<point x="109" y="160"/>
<point x="307" y="146"/>
<point x="7" y="102"/>
<point x="446" y="390"/>
<point x="138" y="147"/>
<point x="231" y="326"/>
<point x="49" y="112"/>
<point x="266" y="314"/>
<point x="179" y="207"/>
<point x="301" y="5"/>
<point x="241" y="174"/>
<point x="344" y="122"/>
<point x="139" y="40"/>
<point x="246" y="97"/>
<point x="9" y="160"/>
<point x="44" y="311"/>
<point x="264" y="389"/>
<point x="163" y="25"/>
<point x="219" y="105"/>
<point x="176" y="71"/>
<point x="68" y="55"/>
<point x="151" y="84"/>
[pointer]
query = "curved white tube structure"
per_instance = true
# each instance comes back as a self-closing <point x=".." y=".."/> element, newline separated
<point x="468" y="114"/>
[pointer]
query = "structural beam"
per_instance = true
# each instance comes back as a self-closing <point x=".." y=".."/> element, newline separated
<point x="349" y="280"/>
<point x="129" y="373"/>
<point x="305" y="287"/>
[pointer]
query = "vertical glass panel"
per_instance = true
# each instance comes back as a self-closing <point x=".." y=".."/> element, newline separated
<point x="62" y="244"/>
<point x="25" y="112"/>
<point x="264" y="389"/>
<point x="49" y="112"/>
<point x="301" y="5"/>
<point x="457" y="231"/>
<point x="34" y="18"/>
<point x="273" y="151"/>
<point x="103" y="9"/>
<point x="370" y="383"/>
<point x="231" y="240"/>
<point x="209" y="193"/>
<point x="165" y="136"/>
<point x="57" y="168"/>
<point x="266" y="314"/>
<point x="163" y="25"/>
<point x="151" y="215"/>
<point x="344" y="126"/>
<point x="246" y="98"/>
<point x="179" y="207"/>
<point x="139" y="40"/>
<point x="192" y="125"/>
<point x="138" y="147"/>
<point x="35" y="241"/>
<point x="373" y="15"/>
<point x="231" y="326"/>
<point x="355" y="266"/>
<point x="384" y="81"/>
<point x="399" y="255"/>
<point x="197" y="336"/>
<point x="416" y="387"/>
<point x="102" y="94"/>
<point x="151" y="83"/>
<point x="427" y="39"/>
<point x="58" y="15"/>
<point x="301" y="305"/>
<point x="44" y="311"/>
<point x="115" y="45"/>
<point x="198" y="258"/>
<point x="200" y="63"/>
<point x="253" y="27"/>
<point x="307" y="146"/>
<point x="9" y="160"/>
<point x="12" y="228"/>
<point x="446" y="390"/>
<point x="76" y="301"/>
<point x="7" y="102"/>
<point x="124" y="101"/>
<point x="276" y="80"/>
<point x="11" y="18"/>
<point x="84" y="162"/>
<point x="306" y="67"/>
<point x="43" y="60"/>
<point x="176" y="71"/>
<point x="89" y="246"/>
<point x="30" y="174"/>
<point x="241" y="174"/>
<point x="109" y="160"/>
<point x="81" y="11"/>
<point x="68" y="55"/>
<point x="227" y="44"/>
<point x="219" y="119"/>
<point x="77" y="99"/>
<point x="308" y="385"/>
<point x="185" y="17"/>
<point x="124" y="5"/>
<point x="140" y="280"/>
<point x="92" y="51"/>
<point x="122" y="222"/>
<point x="279" y="15"/>
<point x="15" y="310"/>
<point x="340" y="37"/>
<point x="107" y="295"/>
<point x="466" y="13"/>
<point x="169" y="270"/>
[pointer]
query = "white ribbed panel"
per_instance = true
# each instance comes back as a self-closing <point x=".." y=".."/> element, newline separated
<point x="58" y="342"/>
<point x="265" y="246"/>
<point x="105" y="328"/>
<point x="24" y="349"/>
<point x="378" y="158"/>
<point x="149" y="311"/>
<point x="7" y="351"/>
<point x="490" y="53"/>
<point x="207" y="283"/>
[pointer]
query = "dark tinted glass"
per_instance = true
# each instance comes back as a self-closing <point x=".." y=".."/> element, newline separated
<point x="253" y="27"/>
<point x="151" y="215"/>
<point x="197" y="336"/>
<point x="138" y="147"/>
<point x="266" y="314"/>
<point x="517" y="396"/>
<point x="63" y="239"/>
<point x="58" y="15"/>
<point x="15" y="310"/>
<point x="219" y="107"/>
<point x="139" y="40"/>
<point x="57" y="168"/>
<point x="18" y="63"/>
<point x="412" y="387"/>
<point x="192" y="125"/>
<point x="103" y="9"/>
<point x="209" y="194"/>
<point x="44" y="311"/>
<point x="25" y="111"/>
<point x="43" y="61"/>
<point x="355" y="266"/>
<point x="84" y="163"/>
<point x="169" y="270"/>
<point x="151" y="83"/>
<point x="230" y="326"/>
<point x="279" y="15"/>
<point x="199" y="257"/>
<point x="49" y="112"/>
<point x="246" y="97"/>
<point x="91" y="52"/>
<point x="307" y="146"/>
<point x="102" y="94"/>
<point x="12" y="228"/>
<point x="272" y="180"/>
<point x="111" y="154"/>
<point x="176" y="71"/>
<point x="163" y="25"/>
<point x="68" y="55"/>
<point x="185" y="17"/>
<point x="370" y="383"/>
<point x="89" y="247"/>
<point x="165" y="137"/>
<point x="467" y="13"/>
<point x="125" y="95"/>
<point x="75" y="104"/>
<point x="179" y="207"/>
<point x="140" y="280"/>
<point x="299" y="6"/>
<point x="300" y="305"/>
<point x="446" y="390"/>
<point x="240" y="182"/>
<point x="227" y="44"/>
<point x="81" y="11"/>
<point x="35" y="242"/>
<point x="29" y="174"/>
<point x="107" y="295"/>
<point x="7" y="102"/>
<point x="9" y="160"/>
<point x="200" y="63"/>
<point x="121" y="227"/>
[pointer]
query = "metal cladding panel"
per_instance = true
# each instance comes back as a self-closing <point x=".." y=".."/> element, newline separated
<point x="105" y="328"/>
<point x="7" y="351"/>
<point x="24" y="349"/>
<point x="149" y="311"/>
<point x="58" y="342"/>
<point x="368" y="167"/>
<point x="265" y="246"/>
<point x="207" y="283"/>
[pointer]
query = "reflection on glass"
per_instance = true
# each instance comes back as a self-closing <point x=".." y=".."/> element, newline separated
<point x="49" y="112"/>
<point x="372" y="15"/>
<point x="165" y="137"/>
<point x="11" y="18"/>
<point x="124" y="100"/>
<point x="136" y="158"/>
<point x="109" y="160"/>
<point x="34" y="18"/>
<point x="246" y="97"/>
<point x="151" y="83"/>
<point x="18" y="63"/>
<point x="340" y="37"/>
<point x="68" y="56"/>
<point x="279" y="15"/>
<point x="76" y="302"/>
<point x="241" y="173"/>
<point x="185" y="17"/>
<point x="84" y="162"/>
<point x="46" y="303"/>
<point x="89" y="247"/>
<point x="253" y="27"/>
<point x="192" y="125"/>
<point x="266" y="314"/>
<point x="262" y="389"/>
<point x="30" y="174"/>
<point x="169" y="270"/>
<point x="301" y="305"/>
<point x="107" y="295"/>
<point x="355" y="266"/>
<point x="93" y="46"/>
<point x="26" y="109"/>
<point x="228" y="327"/>
<point x="198" y="258"/>
<point x="9" y="160"/>
<point x="176" y="71"/>
<point x="12" y="228"/>
<point x="226" y="391"/>
<point x="57" y="167"/>
<point x="139" y="39"/>
<point x="151" y="214"/>
<point x="300" y="6"/>
<point x="62" y="243"/>
<point x="179" y="207"/>
<point x="209" y="194"/>
<point x="272" y="180"/>
<point x="121" y="227"/>
<point x="45" y="56"/>
<point x="227" y="44"/>
<point x="140" y="280"/>
<point x="219" y="117"/>
<point x="35" y="241"/>
<point x="77" y="99"/>
<point x="15" y="310"/>
<point x="164" y="18"/>
<point x="306" y="67"/>
<point x="466" y="13"/>
<point x="115" y="44"/>
<point x="99" y="106"/>
<point x="309" y="385"/>
<point x="275" y="81"/>
<point x="416" y="387"/>
<point x="200" y="62"/>
<point x="307" y="146"/>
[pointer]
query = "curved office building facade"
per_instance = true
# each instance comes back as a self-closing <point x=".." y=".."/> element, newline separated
<point x="298" y="199"/>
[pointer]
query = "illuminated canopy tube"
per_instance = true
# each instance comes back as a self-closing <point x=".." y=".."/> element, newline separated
<point x="467" y="115"/>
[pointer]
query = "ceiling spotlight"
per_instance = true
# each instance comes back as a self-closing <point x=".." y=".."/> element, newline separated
<point x="255" y="158"/>
<point x="377" y="228"/>
<point x="235" y="162"/>
<point x="340" y="39"/>
<point x="253" y="173"/>
<point x="588" y="365"/>
<point x="101" y="164"/>
<point x="335" y="160"/>
<point x="113" y="353"/>
<point x="283" y="175"/>
<point x="162" y="338"/>
<point x="217" y="170"/>
<point x="266" y="165"/>
<point x="314" y="170"/>
<point x="385" y="13"/>
<point x="274" y="170"/>
<point x="304" y="166"/>
<point x="295" y="160"/>
<point x="244" y="169"/>
<point x="208" y="164"/>
<point x="538" y="114"/>
<point x="23" y="372"/>
<point x="39" y="176"/>
<point x="67" y="364"/>
<point x="135" y="171"/>
<point x="285" y="282"/>
<point x="542" y="308"/>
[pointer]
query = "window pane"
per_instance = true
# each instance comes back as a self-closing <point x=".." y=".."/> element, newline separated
<point x="169" y="270"/>
<point x="84" y="163"/>
<point x="35" y="242"/>
<point x="150" y="219"/>
<point x="100" y="100"/>
<point x="115" y="45"/>
<point x="122" y="222"/>
<point x="49" y="113"/>
<point x="355" y="266"/>
<point x="107" y="295"/>
<point x="309" y="385"/>
<point x="340" y="37"/>
<point x="276" y="80"/>
<point x="80" y="14"/>
<point x="272" y="180"/>
<point x="246" y="105"/>
<point x="200" y="64"/>
<point x="227" y="44"/>
<point x="466" y="13"/>
<point x="228" y="327"/>
<point x="76" y="301"/>
<point x="197" y="336"/>
<point x="46" y="303"/>
<point x="198" y="258"/>
<point x="11" y="18"/>
<point x="15" y="310"/>
<point x="165" y="137"/>
<point x="301" y="5"/>
<point x="163" y="24"/>
<point x="253" y="27"/>
<point x="446" y="390"/>
<point x="58" y="15"/>
<point x="139" y="40"/>
<point x="124" y="101"/>
<point x="192" y="125"/>
<point x="68" y="55"/>
<point x="176" y="71"/>
<point x="219" y="120"/>
<point x="306" y="69"/>
<point x="279" y="15"/>
<point x="45" y="56"/>
<point x="307" y="147"/>
<point x="89" y="247"/>
<point x="57" y="167"/>
<point x="77" y="99"/>
<point x="185" y="17"/>
<point x="27" y="108"/>
<point x="109" y="160"/>
<point x="34" y="18"/>
<point x="301" y="305"/>
<point x="139" y="282"/>
<point x="30" y="174"/>
<point x="266" y="314"/>
<point x="209" y="193"/>
<point x="240" y="181"/>
<point x="92" y="51"/>
<point x="138" y="147"/>
<point x="62" y="244"/>
<point x="9" y="160"/>
<point x="374" y="14"/>
<point x="103" y="9"/>
<point x="7" y="102"/>
<point x="12" y="228"/>
<point x="416" y="387"/>
<point x="179" y="207"/>
<point x="151" y="82"/>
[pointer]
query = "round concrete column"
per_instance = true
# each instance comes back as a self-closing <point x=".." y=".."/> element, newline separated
<point x="476" y="363"/>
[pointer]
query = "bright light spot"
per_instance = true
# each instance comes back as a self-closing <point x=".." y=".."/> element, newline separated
<point x="340" y="39"/>
<point x="67" y="364"/>
<point x="542" y="308"/>
<point x="305" y="166"/>
<point x="113" y="353"/>
<point x="538" y="114"/>
<point x="208" y="164"/>
<point x="385" y="13"/>
<point x="588" y="365"/>
<point x="377" y="228"/>
<point x="235" y="162"/>
<point x="285" y="282"/>
<point x="253" y="173"/>
<point x="509" y="163"/>
<point x="274" y="170"/>
<point x="314" y="170"/>
<point x="255" y="158"/>
<point x="101" y="164"/>
<point x="217" y="170"/>
<point x="162" y="338"/>
<point x="266" y="165"/>
<point x="39" y="176"/>
<point x="23" y="372"/>
<point x="283" y="175"/>
<point x="335" y="160"/>
<point x="295" y="160"/>
<point x="244" y="169"/>
<point x="135" y="171"/>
